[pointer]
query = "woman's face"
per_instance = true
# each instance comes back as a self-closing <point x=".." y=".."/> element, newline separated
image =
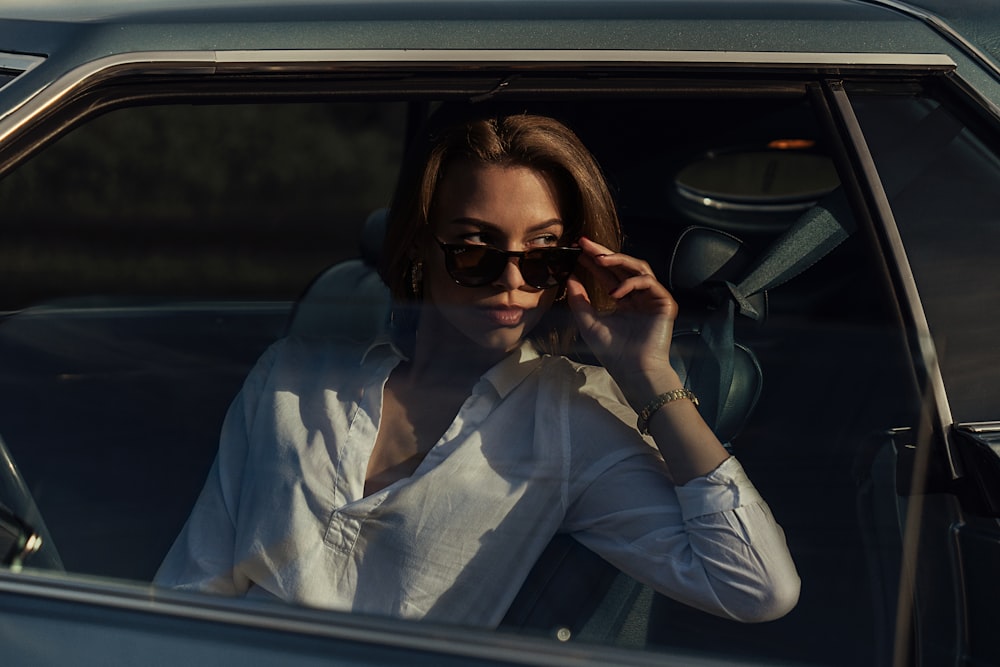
<point x="510" y="208"/>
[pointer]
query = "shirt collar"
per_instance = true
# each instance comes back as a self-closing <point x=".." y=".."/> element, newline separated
<point x="514" y="368"/>
<point x="385" y="342"/>
<point x="384" y="339"/>
<point x="504" y="376"/>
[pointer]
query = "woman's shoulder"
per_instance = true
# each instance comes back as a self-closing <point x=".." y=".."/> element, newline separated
<point x="309" y="349"/>
<point x="600" y="420"/>
<point x="295" y="346"/>
<point x="590" y="379"/>
<point x="298" y="358"/>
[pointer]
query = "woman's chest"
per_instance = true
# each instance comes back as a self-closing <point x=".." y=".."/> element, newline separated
<point x="411" y="422"/>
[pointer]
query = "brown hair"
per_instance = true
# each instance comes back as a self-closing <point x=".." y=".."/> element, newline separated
<point x="537" y="142"/>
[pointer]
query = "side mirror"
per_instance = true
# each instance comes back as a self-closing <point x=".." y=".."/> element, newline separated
<point x="978" y="447"/>
<point x="18" y="540"/>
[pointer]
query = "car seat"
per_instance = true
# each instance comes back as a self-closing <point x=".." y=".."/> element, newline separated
<point x="348" y="301"/>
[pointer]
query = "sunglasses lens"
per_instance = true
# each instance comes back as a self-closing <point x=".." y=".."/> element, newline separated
<point x="478" y="265"/>
<point x="548" y="267"/>
<point x="474" y="266"/>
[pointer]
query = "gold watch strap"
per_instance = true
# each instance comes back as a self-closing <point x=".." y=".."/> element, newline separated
<point x="650" y="408"/>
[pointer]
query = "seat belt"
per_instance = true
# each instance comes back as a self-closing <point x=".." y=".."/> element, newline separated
<point x="817" y="232"/>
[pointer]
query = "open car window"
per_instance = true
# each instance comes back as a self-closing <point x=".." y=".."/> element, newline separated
<point x="152" y="253"/>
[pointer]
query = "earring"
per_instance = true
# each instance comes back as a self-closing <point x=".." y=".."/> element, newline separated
<point x="417" y="278"/>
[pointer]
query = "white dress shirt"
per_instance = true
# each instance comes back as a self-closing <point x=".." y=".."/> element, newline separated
<point x="542" y="445"/>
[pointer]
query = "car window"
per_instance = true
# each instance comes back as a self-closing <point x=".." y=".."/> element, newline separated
<point x="937" y="160"/>
<point x="150" y="256"/>
<point x="941" y="180"/>
<point x="196" y="201"/>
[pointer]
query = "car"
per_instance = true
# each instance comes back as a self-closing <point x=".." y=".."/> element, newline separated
<point x="185" y="182"/>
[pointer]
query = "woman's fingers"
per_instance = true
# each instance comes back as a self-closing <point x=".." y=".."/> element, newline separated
<point x="579" y="302"/>
<point x="623" y="276"/>
<point x="637" y="283"/>
<point x="576" y="293"/>
<point x="607" y="278"/>
<point x="607" y="263"/>
<point x="593" y="247"/>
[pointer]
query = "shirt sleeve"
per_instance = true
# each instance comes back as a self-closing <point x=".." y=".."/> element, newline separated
<point x="202" y="556"/>
<point x="711" y="543"/>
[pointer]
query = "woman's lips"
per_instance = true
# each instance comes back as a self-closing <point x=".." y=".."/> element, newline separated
<point x="504" y="316"/>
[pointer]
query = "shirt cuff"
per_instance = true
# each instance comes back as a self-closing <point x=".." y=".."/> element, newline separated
<point x="724" y="489"/>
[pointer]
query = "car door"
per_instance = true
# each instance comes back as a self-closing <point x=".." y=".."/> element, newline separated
<point x="162" y="223"/>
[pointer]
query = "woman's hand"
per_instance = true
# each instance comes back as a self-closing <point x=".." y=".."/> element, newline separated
<point x="632" y="341"/>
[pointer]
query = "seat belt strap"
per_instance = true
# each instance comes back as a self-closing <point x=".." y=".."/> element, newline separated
<point x="818" y="231"/>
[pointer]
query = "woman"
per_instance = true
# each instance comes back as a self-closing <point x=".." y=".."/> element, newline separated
<point x="421" y="476"/>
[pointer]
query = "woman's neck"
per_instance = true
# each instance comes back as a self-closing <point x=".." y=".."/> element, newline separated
<point x="443" y="355"/>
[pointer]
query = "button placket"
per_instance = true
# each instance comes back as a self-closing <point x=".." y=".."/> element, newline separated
<point x="350" y="509"/>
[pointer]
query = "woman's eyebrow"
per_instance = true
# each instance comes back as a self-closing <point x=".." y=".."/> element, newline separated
<point x="489" y="226"/>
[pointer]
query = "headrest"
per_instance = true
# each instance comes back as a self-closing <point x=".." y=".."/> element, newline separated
<point x="704" y="261"/>
<point x="373" y="235"/>
<point x="690" y="355"/>
<point x="348" y="301"/>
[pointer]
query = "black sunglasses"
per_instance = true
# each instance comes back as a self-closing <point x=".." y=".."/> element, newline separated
<point x="478" y="265"/>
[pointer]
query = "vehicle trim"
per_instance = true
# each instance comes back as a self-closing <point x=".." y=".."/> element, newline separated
<point x="940" y="26"/>
<point x="972" y="94"/>
<point x="18" y="62"/>
<point x="546" y="57"/>
<point x="466" y="642"/>
<point x="291" y="60"/>
<point x="934" y="389"/>
<point x="980" y="427"/>
<point x="987" y="432"/>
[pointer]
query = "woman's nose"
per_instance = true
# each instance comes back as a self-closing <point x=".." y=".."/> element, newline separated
<point x="511" y="278"/>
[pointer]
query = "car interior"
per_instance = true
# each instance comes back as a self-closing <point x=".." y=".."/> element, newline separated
<point x="118" y="373"/>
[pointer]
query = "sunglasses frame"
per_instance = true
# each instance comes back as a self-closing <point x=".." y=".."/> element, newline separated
<point x="451" y="251"/>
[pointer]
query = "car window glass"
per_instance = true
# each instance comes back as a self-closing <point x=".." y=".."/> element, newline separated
<point x="147" y="259"/>
<point x="152" y="254"/>
<point x="836" y="379"/>
<point x="942" y="181"/>
<point x="196" y="201"/>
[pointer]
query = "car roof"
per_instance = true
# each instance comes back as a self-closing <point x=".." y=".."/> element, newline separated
<point x="745" y="21"/>
<point x="974" y="23"/>
<point x="745" y="25"/>
<point x="69" y="32"/>
<point x="48" y="27"/>
<point x="236" y="10"/>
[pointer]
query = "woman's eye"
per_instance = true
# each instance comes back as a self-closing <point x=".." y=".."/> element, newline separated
<point x="475" y="238"/>
<point x="544" y="241"/>
<point x="485" y="238"/>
